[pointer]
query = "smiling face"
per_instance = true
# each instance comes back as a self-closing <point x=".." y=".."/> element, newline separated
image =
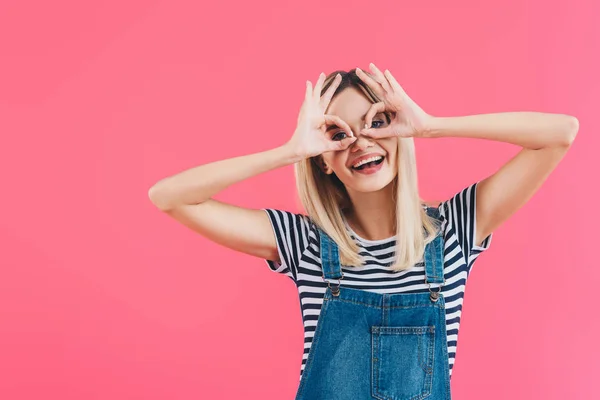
<point x="351" y="105"/>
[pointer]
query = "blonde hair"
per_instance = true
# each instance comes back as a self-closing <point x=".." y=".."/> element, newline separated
<point x="324" y="197"/>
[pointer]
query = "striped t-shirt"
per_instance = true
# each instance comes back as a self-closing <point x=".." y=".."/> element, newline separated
<point x="298" y="247"/>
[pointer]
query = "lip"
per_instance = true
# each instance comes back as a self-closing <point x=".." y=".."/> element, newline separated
<point x="357" y="159"/>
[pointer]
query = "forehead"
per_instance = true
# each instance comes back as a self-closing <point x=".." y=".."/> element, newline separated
<point x="349" y="104"/>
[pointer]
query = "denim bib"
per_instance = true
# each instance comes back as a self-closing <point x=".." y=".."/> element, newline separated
<point x="369" y="345"/>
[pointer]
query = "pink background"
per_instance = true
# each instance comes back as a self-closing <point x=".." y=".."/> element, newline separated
<point x="104" y="297"/>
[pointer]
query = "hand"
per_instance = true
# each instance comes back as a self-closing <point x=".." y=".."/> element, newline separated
<point x="311" y="138"/>
<point x="408" y="119"/>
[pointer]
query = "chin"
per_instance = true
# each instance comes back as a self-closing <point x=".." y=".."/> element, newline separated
<point x="370" y="183"/>
<point x="373" y="186"/>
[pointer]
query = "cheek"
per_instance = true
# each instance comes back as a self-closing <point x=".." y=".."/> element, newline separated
<point x="337" y="160"/>
<point x="391" y="148"/>
<point x="391" y="144"/>
<point x="392" y="157"/>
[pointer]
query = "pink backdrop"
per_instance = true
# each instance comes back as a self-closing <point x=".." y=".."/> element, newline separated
<point x="104" y="297"/>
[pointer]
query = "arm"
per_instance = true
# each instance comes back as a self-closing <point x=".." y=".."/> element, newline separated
<point x="186" y="197"/>
<point x="198" y="184"/>
<point x="545" y="139"/>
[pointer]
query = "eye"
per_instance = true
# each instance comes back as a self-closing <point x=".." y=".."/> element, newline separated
<point x="377" y="121"/>
<point x="337" y="136"/>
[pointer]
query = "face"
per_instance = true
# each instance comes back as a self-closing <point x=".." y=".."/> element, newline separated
<point x="351" y="105"/>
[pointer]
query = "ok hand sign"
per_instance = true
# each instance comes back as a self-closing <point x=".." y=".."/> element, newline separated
<point x="408" y="120"/>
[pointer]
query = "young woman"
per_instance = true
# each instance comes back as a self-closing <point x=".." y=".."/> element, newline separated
<point x="380" y="273"/>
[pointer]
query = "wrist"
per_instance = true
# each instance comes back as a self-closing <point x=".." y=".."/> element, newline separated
<point x="290" y="154"/>
<point x="432" y="128"/>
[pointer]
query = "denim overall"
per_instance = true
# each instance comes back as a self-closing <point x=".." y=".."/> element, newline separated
<point x="369" y="345"/>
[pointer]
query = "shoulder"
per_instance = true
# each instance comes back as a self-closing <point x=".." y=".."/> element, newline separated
<point x="460" y="213"/>
<point x="456" y="213"/>
<point x="293" y="235"/>
<point x="292" y="227"/>
<point x="288" y="219"/>
<point x="460" y="204"/>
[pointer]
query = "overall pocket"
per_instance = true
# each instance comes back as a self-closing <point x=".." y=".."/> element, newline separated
<point x="402" y="362"/>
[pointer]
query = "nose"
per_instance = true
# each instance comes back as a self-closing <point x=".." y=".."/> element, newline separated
<point x="362" y="142"/>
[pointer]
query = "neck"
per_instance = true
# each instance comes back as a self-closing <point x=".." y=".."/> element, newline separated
<point x="372" y="215"/>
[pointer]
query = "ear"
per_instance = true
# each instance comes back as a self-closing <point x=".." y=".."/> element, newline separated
<point x="324" y="167"/>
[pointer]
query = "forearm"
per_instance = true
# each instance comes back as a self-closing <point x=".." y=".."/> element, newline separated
<point x="200" y="183"/>
<point x="533" y="130"/>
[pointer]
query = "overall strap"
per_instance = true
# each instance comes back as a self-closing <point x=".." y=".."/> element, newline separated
<point x="434" y="255"/>
<point x="330" y="258"/>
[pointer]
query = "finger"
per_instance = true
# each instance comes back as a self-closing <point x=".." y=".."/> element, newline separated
<point x="368" y="80"/>
<point x="318" y="86"/>
<point x="307" y="97"/>
<point x="395" y="85"/>
<point x="373" y="111"/>
<point x="326" y="99"/>
<point x="308" y="93"/>
<point x="337" y="145"/>
<point x="381" y="78"/>
<point x="335" y="120"/>
<point x="378" y="133"/>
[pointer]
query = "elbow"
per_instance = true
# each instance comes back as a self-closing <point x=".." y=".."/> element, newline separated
<point x="565" y="135"/>
<point x="154" y="194"/>
<point x="571" y="131"/>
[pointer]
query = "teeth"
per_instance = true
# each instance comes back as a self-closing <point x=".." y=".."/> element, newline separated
<point x="367" y="160"/>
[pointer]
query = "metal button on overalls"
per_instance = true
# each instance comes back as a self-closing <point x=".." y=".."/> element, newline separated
<point x="369" y="345"/>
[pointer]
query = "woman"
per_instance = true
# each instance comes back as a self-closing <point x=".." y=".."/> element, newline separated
<point x="381" y="275"/>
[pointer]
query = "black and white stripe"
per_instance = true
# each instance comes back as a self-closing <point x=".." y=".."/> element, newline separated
<point x="298" y="246"/>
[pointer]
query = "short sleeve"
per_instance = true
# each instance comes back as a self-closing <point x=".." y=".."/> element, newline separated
<point x="291" y="233"/>
<point x="460" y="212"/>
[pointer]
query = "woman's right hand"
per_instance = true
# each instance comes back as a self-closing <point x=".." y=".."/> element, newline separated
<point x="310" y="137"/>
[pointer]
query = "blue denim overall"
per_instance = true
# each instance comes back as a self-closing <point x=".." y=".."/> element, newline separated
<point x="369" y="345"/>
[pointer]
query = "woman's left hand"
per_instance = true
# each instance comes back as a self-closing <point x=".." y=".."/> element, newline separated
<point x="408" y="119"/>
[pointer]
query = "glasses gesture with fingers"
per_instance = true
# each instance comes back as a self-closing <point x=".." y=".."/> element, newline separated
<point x="408" y="119"/>
<point x="310" y="137"/>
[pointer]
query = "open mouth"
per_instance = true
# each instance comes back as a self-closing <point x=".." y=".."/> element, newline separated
<point x="369" y="164"/>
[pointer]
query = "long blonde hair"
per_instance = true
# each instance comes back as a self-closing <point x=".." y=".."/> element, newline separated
<point x="324" y="197"/>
